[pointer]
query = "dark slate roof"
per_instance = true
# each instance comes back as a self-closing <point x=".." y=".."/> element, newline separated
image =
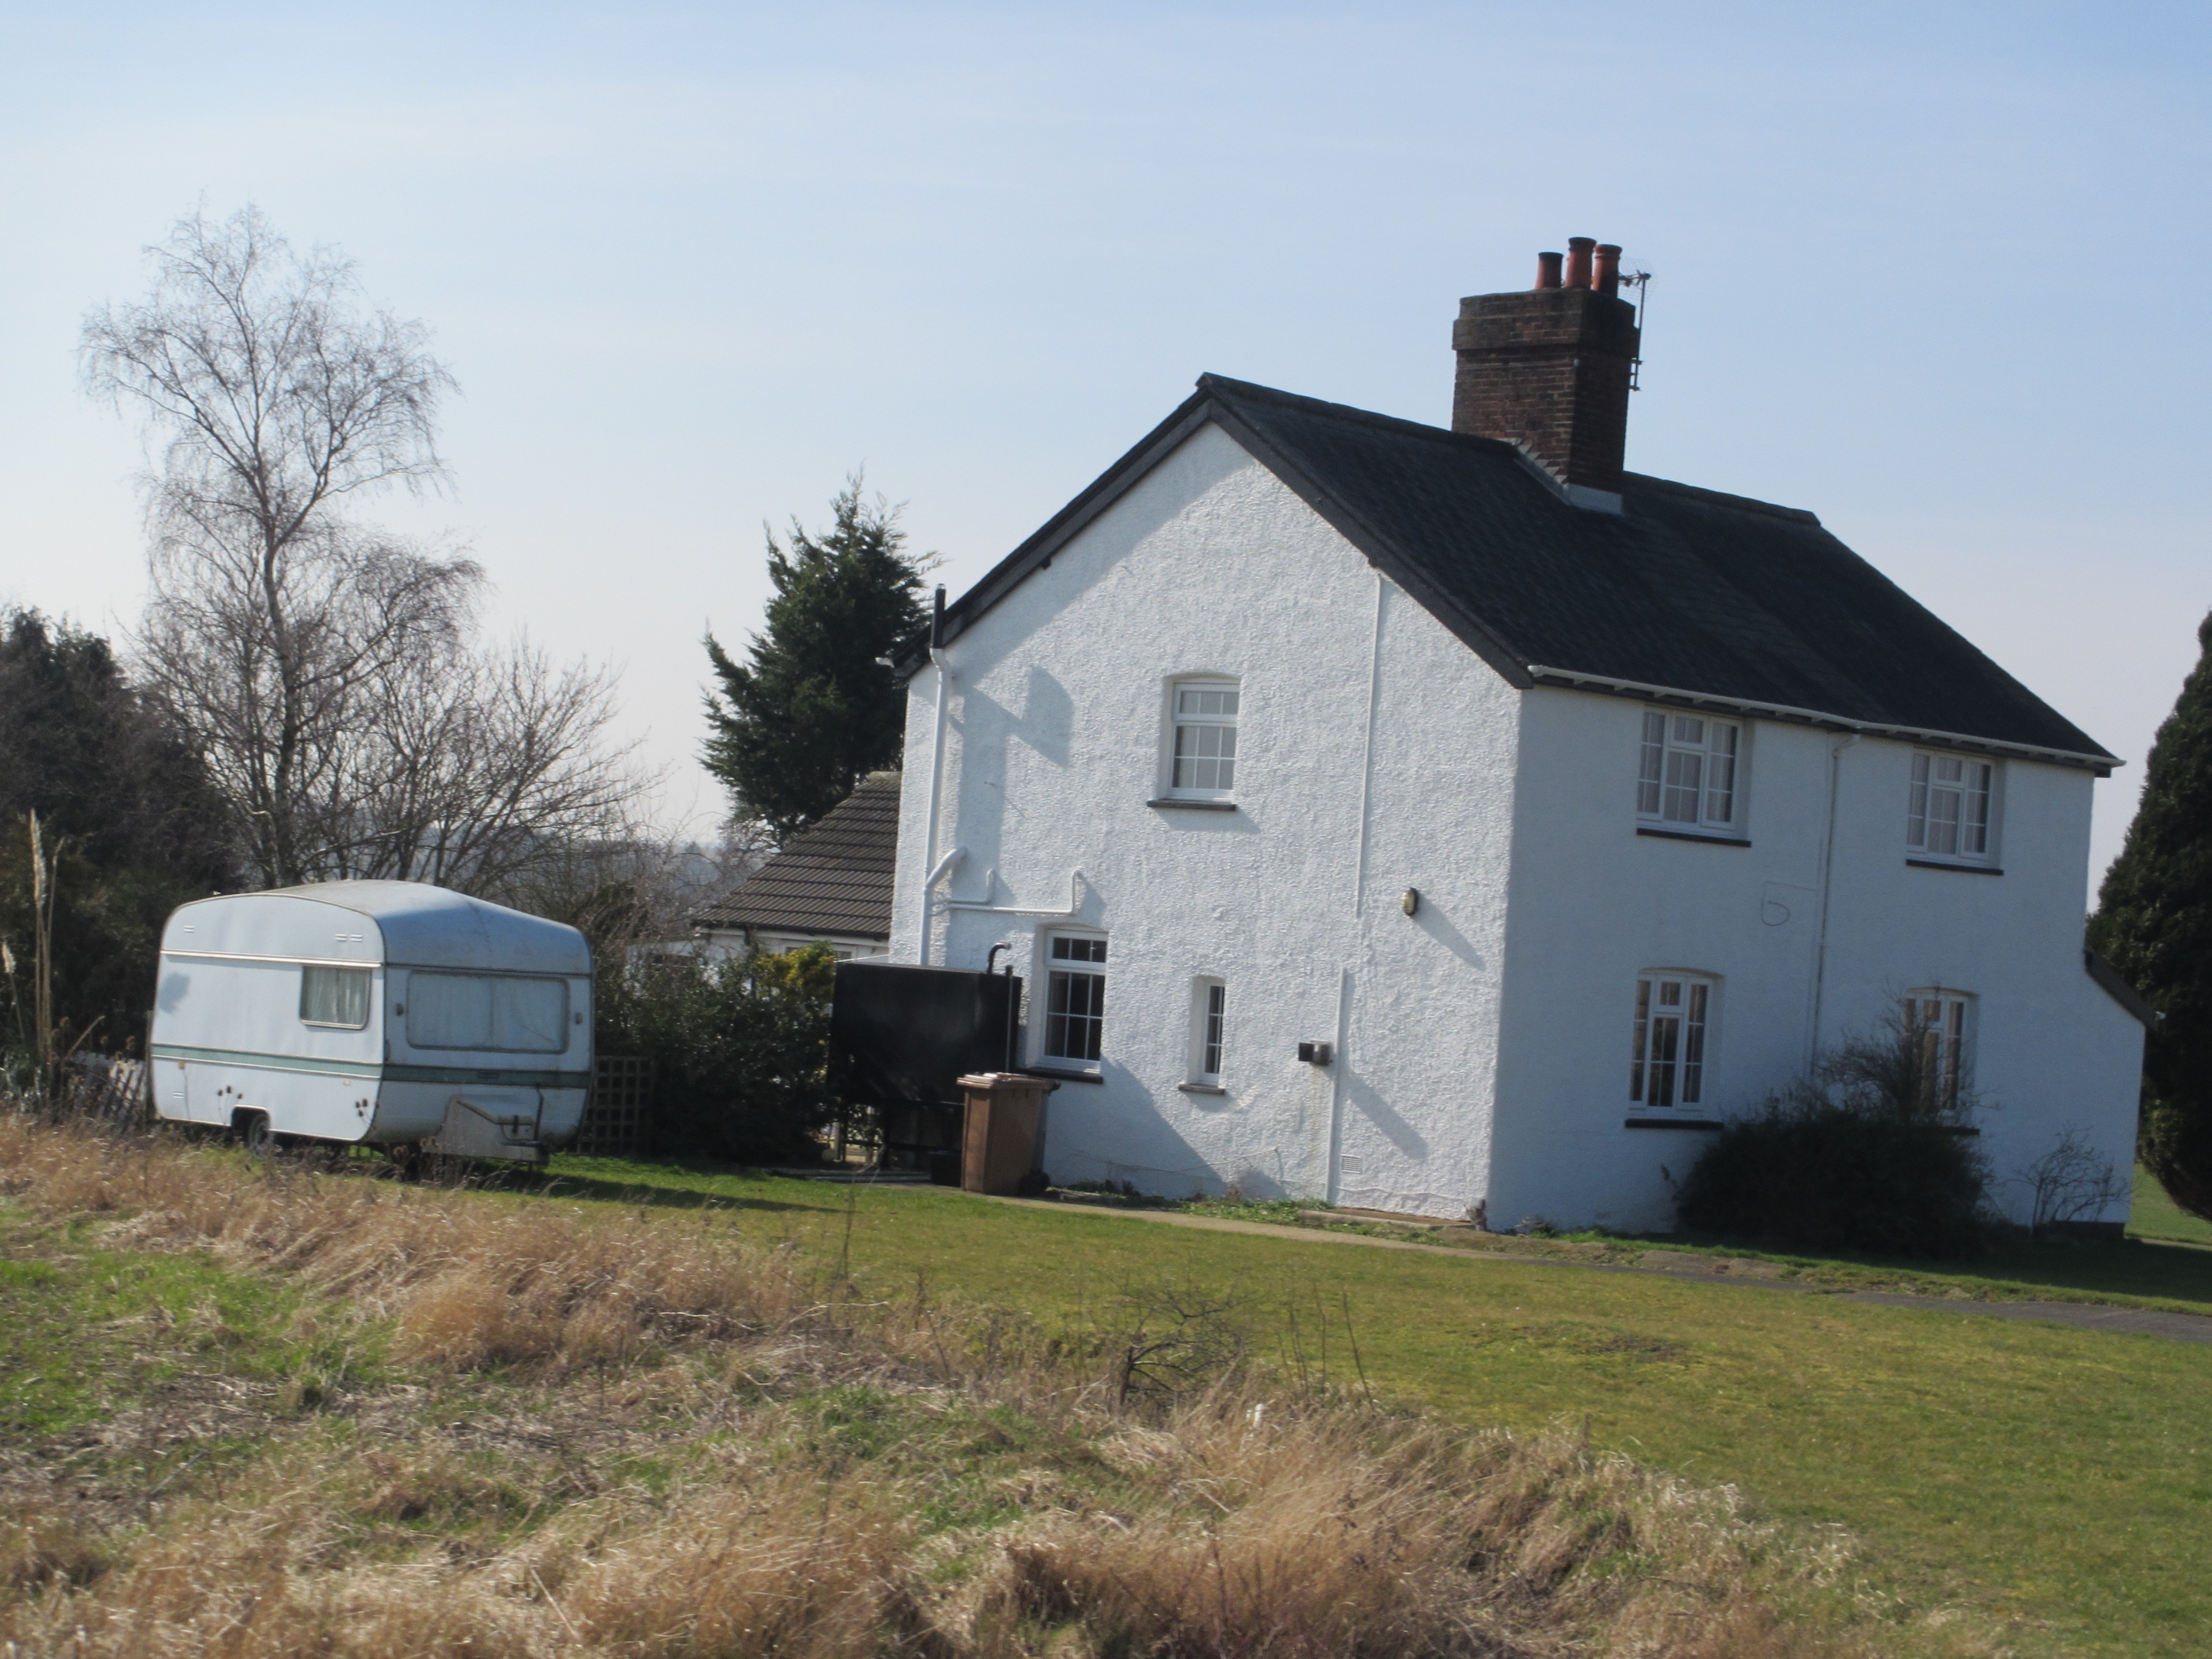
<point x="833" y="878"/>
<point x="1684" y="590"/>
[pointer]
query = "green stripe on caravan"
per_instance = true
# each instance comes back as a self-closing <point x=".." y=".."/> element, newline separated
<point x="468" y="1074"/>
<point x="374" y="1069"/>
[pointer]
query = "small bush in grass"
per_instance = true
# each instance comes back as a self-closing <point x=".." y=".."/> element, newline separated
<point x="1867" y="1155"/>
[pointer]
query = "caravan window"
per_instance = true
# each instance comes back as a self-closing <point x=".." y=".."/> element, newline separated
<point x="334" y="996"/>
<point x="488" y="1011"/>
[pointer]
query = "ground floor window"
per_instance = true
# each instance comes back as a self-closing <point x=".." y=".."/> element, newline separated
<point x="1075" y="997"/>
<point x="1673" y="1014"/>
<point x="1209" y="1030"/>
<point x="1937" y="1022"/>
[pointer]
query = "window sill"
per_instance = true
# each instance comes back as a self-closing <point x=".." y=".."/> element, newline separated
<point x="1962" y="869"/>
<point x="1690" y="835"/>
<point x="1672" y="1123"/>
<point x="1175" y="804"/>
<point x="1201" y="1088"/>
<point x="1060" y="1076"/>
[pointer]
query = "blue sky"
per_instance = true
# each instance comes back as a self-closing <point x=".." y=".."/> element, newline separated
<point x="1936" y="271"/>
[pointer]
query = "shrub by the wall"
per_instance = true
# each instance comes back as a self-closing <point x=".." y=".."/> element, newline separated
<point x="1867" y="1156"/>
<point x="740" y="1050"/>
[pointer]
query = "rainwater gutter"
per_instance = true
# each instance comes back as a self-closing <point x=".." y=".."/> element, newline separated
<point x="1576" y="680"/>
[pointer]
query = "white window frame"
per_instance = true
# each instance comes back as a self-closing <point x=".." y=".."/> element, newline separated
<point x="1209" y="1030"/>
<point x="1689" y="772"/>
<point x="1951" y="806"/>
<point x="1942" y="1019"/>
<point x="1206" y="726"/>
<point x="1062" y="968"/>
<point x="1672" y="1044"/>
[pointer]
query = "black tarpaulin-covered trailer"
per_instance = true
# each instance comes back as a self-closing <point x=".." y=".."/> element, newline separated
<point x="901" y="1037"/>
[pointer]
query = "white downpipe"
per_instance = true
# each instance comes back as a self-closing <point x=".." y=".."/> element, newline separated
<point x="937" y="873"/>
<point x="1836" y="748"/>
<point x="936" y="866"/>
<point x="1367" y="754"/>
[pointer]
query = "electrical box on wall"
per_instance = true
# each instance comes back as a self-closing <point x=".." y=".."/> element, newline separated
<point x="1314" y="1053"/>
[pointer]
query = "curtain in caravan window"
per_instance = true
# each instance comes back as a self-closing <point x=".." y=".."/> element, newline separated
<point x="449" y="1011"/>
<point x="531" y="1015"/>
<point x="502" y="1011"/>
<point x="334" y="996"/>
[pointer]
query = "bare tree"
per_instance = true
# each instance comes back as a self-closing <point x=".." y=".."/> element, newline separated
<point x="2072" y="1183"/>
<point x="479" y="770"/>
<point x="329" y="671"/>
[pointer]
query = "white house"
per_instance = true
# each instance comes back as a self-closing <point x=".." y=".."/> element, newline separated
<point x="1447" y="821"/>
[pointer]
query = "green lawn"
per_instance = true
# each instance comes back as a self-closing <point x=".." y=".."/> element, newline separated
<point x="2059" y="1476"/>
<point x="2157" y="1216"/>
<point x="125" y="1367"/>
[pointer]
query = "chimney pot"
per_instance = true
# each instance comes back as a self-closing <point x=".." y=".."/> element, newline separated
<point x="1548" y="367"/>
<point x="1607" y="279"/>
<point x="1578" y="260"/>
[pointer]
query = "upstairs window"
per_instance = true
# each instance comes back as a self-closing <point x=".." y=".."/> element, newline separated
<point x="1674" y="1019"/>
<point x="1686" y="776"/>
<point x="1937" y="1021"/>
<point x="1075" y="998"/>
<point x="1202" y="760"/>
<point x="1948" y="815"/>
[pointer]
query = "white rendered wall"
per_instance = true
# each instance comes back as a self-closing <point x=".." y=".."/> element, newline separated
<point x="1378" y="754"/>
<point x="1053" y="742"/>
<point x="1594" y="904"/>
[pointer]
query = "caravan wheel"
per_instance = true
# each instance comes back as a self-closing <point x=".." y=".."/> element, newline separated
<point x="404" y="1157"/>
<point x="254" y="1133"/>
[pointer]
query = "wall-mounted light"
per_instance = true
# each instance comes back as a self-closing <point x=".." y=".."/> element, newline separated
<point x="1412" y="903"/>
<point x="1314" y="1053"/>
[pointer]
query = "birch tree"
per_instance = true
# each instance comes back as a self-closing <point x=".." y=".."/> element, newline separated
<point x="329" y="671"/>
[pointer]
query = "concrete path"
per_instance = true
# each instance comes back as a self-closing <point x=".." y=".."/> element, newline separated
<point x="2083" y="1316"/>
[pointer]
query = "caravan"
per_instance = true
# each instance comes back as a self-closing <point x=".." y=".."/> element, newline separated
<point x="391" y="1013"/>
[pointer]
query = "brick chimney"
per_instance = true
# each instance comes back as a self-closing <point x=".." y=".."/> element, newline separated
<point x="1548" y="367"/>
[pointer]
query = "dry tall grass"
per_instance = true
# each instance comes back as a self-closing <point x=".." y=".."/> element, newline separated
<point x="467" y="1283"/>
<point x="1230" y="1521"/>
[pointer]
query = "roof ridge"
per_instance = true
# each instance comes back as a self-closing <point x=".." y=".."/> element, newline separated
<point x="1217" y="383"/>
<point x="1722" y="498"/>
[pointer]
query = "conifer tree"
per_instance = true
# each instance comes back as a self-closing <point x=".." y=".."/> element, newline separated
<point x="813" y="712"/>
<point x="2153" y="922"/>
<point x="129" y="827"/>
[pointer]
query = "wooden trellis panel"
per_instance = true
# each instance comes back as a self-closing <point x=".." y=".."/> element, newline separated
<point x="615" y="1117"/>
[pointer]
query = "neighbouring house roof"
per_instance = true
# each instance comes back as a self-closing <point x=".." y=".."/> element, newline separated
<point x="2117" y="987"/>
<point x="1682" y="591"/>
<point x="834" y="878"/>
